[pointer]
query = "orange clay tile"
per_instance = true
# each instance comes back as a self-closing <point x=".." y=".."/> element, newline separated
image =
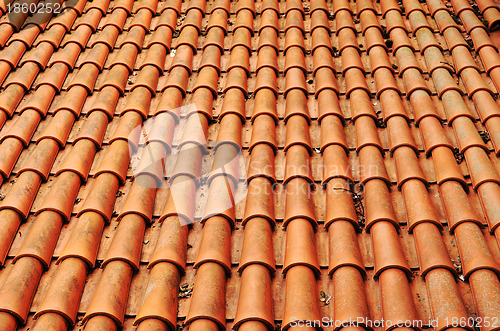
<point x="341" y="5"/>
<point x="431" y="249"/>
<point x="162" y="288"/>
<point x="477" y="256"/>
<point x="482" y="171"/>
<point x="454" y="39"/>
<point x="67" y="182"/>
<point x="399" y="132"/>
<point x="337" y="190"/>
<point x="222" y="207"/>
<point x="23" y="128"/>
<point x="84" y="240"/>
<point x="267" y="58"/>
<point x="110" y="296"/>
<point x="301" y="299"/>
<point x="300" y="248"/>
<point x="257" y="246"/>
<point x="420" y="209"/>
<point x="242" y="37"/>
<point x="379" y="59"/>
<point x="385" y="82"/>
<point x="342" y="251"/>
<point x="268" y="37"/>
<point x="368" y="136"/>
<point x="377" y="194"/>
<point x="372" y="166"/>
<point x="355" y="80"/>
<point x="81" y="160"/>
<point x="414" y="82"/>
<point x="400" y="40"/>
<point x="269" y="18"/>
<point x="328" y="103"/>
<point x="261" y="163"/>
<point x="22" y="194"/>
<point x="45" y="229"/>
<point x="94" y="128"/>
<point x="482" y="297"/>
<point x="492" y="126"/>
<point x="294" y="38"/>
<point x="266" y="79"/>
<point x="394" y="21"/>
<point x="319" y="19"/>
<point x="139" y="201"/>
<point x="443" y="19"/>
<point x="350" y="301"/>
<point x="99" y="199"/>
<point x="368" y="20"/>
<point x="225" y="157"/>
<point x="182" y="208"/>
<point x="208" y="299"/>
<point x="255" y="303"/>
<point x="24" y="274"/>
<point x="351" y="59"/>
<point x="363" y="5"/>
<point x="321" y="40"/>
<point x="60" y="302"/>
<point x="463" y="60"/>
<point x="262" y="206"/>
<point x="126" y="247"/>
<point x="489" y="195"/>
<point x="297" y="205"/>
<point x="42" y="158"/>
<point x="325" y="80"/>
<point x="294" y="5"/>
<point x="332" y="132"/>
<point x="344" y="21"/>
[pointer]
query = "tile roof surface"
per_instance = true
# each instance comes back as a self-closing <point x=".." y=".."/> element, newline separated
<point x="298" y="160"/>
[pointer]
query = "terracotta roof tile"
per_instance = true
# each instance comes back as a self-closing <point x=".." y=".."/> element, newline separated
<point x="249" y="164"/>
